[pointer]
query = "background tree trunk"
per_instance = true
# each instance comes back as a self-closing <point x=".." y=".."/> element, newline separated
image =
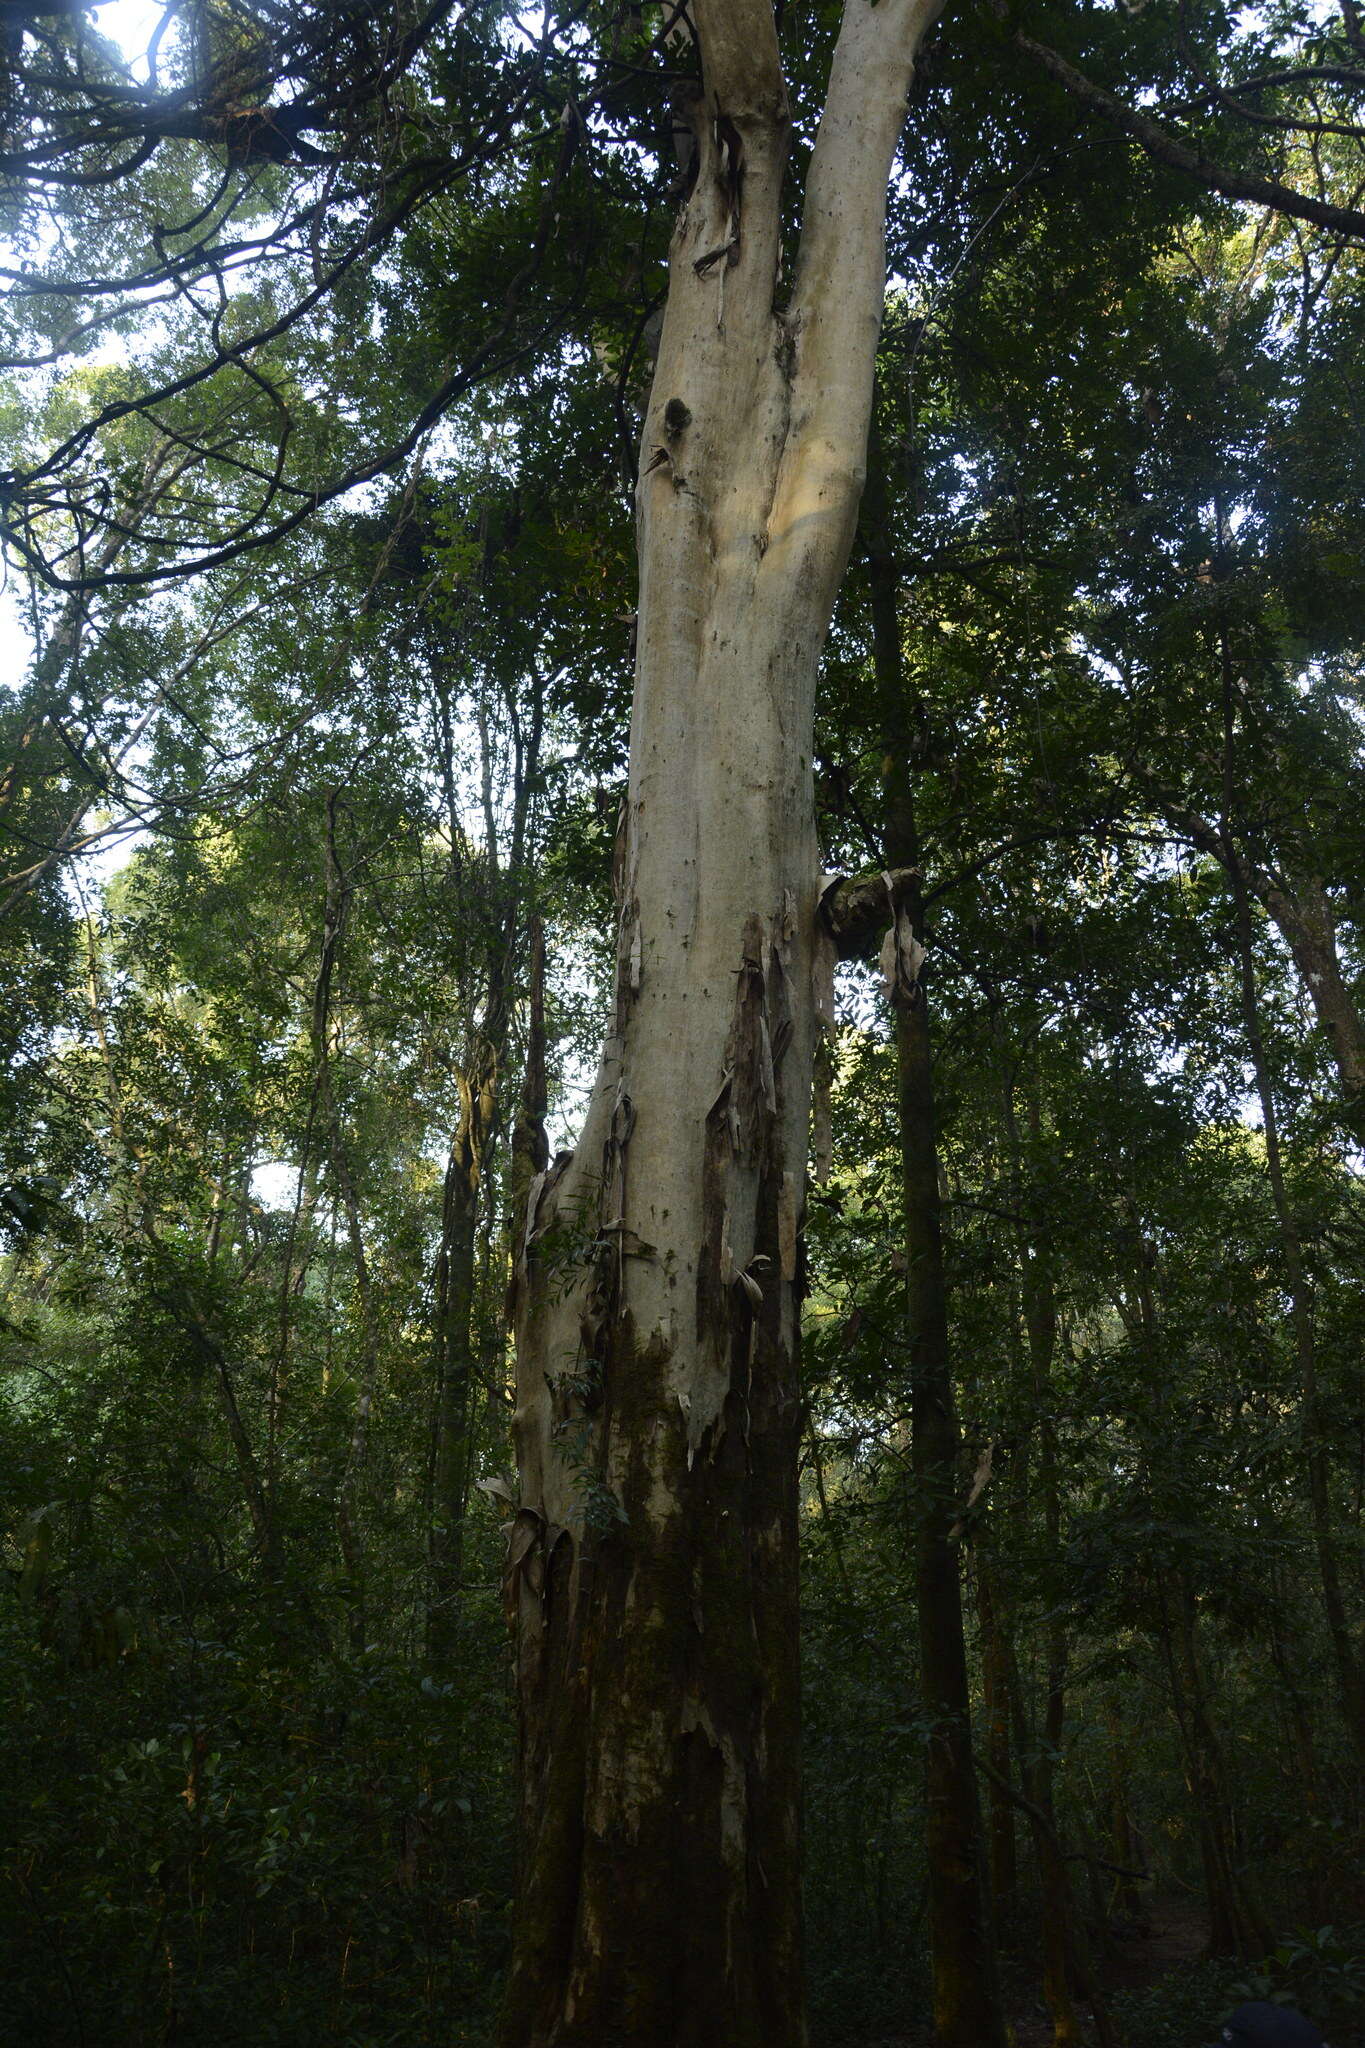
<point x="1346" y="1656"/>
<point x="995" y="1689"/>
<point x="967" y="2012"/>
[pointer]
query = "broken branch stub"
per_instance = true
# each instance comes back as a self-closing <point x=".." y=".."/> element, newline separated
<point x="854" y="909"/>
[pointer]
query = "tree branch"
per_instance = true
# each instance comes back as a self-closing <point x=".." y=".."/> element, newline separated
<point x="857" y="911"/>
<point x="836" y="309"/>
<point x="1179" y="155"/>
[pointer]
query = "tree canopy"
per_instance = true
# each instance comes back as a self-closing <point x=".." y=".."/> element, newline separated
<point x="363" y="589"/>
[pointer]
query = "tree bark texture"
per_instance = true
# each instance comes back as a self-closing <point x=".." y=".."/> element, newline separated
<point x="652" y="1560"/>
<point x="1123" y="1837"/>
<point x="340" y="888"/>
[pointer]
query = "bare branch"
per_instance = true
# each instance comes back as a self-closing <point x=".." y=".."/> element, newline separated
<point x="1179" y="155"/>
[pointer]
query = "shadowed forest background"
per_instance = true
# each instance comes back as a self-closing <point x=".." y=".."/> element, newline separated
<point x="327" y="336"/>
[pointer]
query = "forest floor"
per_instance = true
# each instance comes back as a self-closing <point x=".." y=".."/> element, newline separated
<point x="1175" y="1936"/>
<point x="1178" y="1933"/>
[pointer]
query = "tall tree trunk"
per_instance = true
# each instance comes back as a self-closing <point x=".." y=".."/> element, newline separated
<point x="339" y="889"/>
<point x="1003" y="1862"/>
<point x="300" y="1246"/>
<point x="1237" y="1925"/>
<point x="1295" y="1695"/>
<point x="967" y="2009"/>
<point x="1303" y="916"/>
<point x="455" y="1333"/>
<point x="652" y="1565"/>
<point x="1122" y="1834"/>
<point x="1346" y="1654"/>
<point x="1301" y="911"/>
<point x="1064" y="1955"/>
<point x="1040" y="1317"/>
<point x="453" y="1346"/>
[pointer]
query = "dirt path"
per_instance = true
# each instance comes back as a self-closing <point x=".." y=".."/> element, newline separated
<point x="1177" y="1934"/>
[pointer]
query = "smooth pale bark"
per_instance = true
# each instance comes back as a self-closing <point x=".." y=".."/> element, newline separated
<point x="652" y="1564"/>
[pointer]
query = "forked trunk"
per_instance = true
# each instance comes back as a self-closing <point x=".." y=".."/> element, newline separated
<point x="652" y="1567"/>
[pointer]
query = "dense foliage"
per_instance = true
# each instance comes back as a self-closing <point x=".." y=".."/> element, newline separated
<point x="326" y="349"/>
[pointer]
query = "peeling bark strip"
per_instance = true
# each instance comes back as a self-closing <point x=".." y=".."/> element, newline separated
<point x="652" y="1572"/>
